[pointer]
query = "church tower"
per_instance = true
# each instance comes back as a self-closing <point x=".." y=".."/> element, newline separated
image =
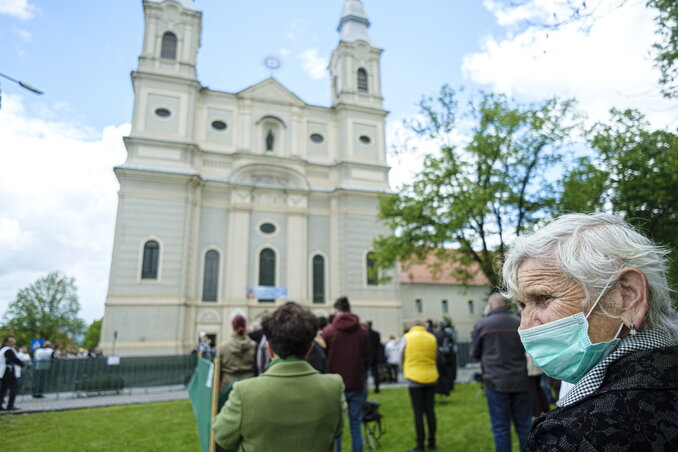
<point x="171" y="38"/>
<point x="231" y="203"/>
<point x="354" y="67"/>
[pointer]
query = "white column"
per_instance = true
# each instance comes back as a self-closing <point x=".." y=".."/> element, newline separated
<point x="297" y="249"/>
<point x="335" y="250"/>
<point x="238" y="247"/>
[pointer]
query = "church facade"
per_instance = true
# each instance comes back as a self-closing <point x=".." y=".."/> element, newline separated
<point x="233" y="203"/>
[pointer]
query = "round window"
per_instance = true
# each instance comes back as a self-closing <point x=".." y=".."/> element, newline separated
<point x="317" y="138"/>
<point x="162" y="112"/>
<point x="267" y="228"/>
<point x="219" y="125"/>
<point x="364" y="139"/>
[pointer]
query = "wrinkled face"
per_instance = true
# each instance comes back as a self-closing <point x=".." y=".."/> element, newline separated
<point x="546" y="295"/>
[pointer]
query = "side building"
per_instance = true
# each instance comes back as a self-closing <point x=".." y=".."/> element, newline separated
<point x="427" y="294"/>
<point x="224" y="191"/>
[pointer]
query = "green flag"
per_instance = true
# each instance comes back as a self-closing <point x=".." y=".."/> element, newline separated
<point x="200" y="393"/>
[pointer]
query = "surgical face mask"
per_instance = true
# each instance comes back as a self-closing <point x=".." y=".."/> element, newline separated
<point x="562" y="348"/>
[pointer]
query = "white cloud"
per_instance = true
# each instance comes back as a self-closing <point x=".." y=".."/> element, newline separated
<point x="58" y="198"/>
<point x="313" y="64"/>
<point x="21" y="9"/>
<point x="12" y="236"/>
<point x="608" y="65"/>
<point x="24" y="35"/>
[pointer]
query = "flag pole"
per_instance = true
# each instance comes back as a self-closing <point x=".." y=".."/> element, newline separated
<point x="216" y="385"/>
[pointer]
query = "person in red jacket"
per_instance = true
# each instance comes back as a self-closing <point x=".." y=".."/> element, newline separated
<point x="348" y="355"/>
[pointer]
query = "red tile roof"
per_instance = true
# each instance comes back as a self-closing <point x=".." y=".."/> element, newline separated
<point x="420" y="272"/>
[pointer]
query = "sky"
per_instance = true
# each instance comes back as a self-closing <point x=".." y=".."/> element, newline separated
<point x="58" y="193"/>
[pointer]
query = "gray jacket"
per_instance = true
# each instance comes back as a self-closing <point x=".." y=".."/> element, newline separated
<point x="497" y="345"/>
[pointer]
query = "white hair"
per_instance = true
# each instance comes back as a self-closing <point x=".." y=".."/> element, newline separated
<point x="591" y="249"/>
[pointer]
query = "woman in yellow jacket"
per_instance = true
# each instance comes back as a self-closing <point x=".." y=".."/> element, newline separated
<point x="421" y="373"/>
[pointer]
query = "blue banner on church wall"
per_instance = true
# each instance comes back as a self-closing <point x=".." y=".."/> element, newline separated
<point x="266" y="292"/>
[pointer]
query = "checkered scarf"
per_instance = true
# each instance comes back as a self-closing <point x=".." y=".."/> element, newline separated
<point x="645" y="340"/>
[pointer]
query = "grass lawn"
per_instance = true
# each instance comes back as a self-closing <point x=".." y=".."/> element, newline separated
<point x="463" y="425"/>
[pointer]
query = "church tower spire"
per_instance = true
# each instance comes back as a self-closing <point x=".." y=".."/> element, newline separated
<point x="354" y="66"/>
<point x="171" y="38"/>
<point x="354" y="23"/>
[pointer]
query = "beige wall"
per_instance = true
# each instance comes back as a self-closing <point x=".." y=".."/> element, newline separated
<point x="458" y="300"/>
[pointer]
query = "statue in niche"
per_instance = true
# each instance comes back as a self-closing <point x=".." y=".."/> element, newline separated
<point x="269" y="140"/>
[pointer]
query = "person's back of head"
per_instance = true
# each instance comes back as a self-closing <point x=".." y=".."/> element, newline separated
<point x="239" y="324"/>
<point x="342" y="305"/>
<point x="322" y="322"/>
<point x="497" y="300"/>
<point x="290" y="330"/>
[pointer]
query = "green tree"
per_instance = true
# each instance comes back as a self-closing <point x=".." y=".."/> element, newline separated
<point x="641" y="167"/>
<point x="47" y="309"/>
<point x="473" y="200"/>
<point x="667" y="47"/>
<point x="583" y="188"/>
<point x="92" y="335"/>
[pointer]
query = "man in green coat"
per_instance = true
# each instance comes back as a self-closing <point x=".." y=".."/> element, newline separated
<point x="290" y="407"/>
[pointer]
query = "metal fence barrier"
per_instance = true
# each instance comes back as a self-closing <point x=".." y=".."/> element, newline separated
<point x="96" y="375"/>
<point x="464" y="353"/>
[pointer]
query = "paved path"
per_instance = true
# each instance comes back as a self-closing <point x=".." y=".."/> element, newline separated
<point x="71" y="401"/>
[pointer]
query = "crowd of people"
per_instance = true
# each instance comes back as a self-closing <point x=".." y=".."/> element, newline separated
<point x="15" y="361"/>
<point x="595" y="313"/>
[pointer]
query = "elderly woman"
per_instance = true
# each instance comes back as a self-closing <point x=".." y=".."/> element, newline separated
<point x="597" y="313"/>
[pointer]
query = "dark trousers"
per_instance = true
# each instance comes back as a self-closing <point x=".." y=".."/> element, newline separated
<point x="391" y="372"/>
<point x="422" y="403"/>
<point x="8" y="383"/>
<point x="375" y="376"/>
<point x="504" y="407"/>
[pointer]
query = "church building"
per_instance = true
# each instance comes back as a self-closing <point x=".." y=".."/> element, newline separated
<point x="233" y="203"/>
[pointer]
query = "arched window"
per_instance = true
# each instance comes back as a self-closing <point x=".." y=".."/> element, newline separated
<point x="471" y="307"/>
<point x="149" y="265"/>
<point x="210" y="279"/>
<point x="362" y="80"/>
<point x="169" y="46"/>
<point x="417" y="306"/>
<point x="318" y="279"/>
<point x="267" y="269"/>
<point x="445" y="307"/>
<point x="372" y="277"/>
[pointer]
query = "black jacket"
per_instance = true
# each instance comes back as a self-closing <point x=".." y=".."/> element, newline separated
<point x="497" y="345"/>
<point x="634" y="409"/>
<point x="376" y="347"/>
